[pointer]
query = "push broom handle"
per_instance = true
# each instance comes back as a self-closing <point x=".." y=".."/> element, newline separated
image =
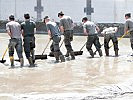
<point x="61" y="43"/>
<point x="46" y="46"/>
<point x="83" y="46"/>
<point x="4" y="53"/>
<point x="80" y="49"/>
<point x="120" y="38"/>
<point x="97" y="50"/>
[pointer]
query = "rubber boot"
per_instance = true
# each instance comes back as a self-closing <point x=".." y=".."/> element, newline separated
<point x="67" y="54"/>
<point x="31" y="62"/>
<point x="91" y="53"/>
<point x="61" y="56"/>
<point x="132" y="50"/>
<point x="100" y="53"/>
<point x="72" y="55"/>
<point x="116" y="53"/>
<point x="12" y="61"/>
<point x="107" y="52"/>
<point x="21" y="62"/>
<point x="51" y="53"/>
<point x="33" y="55"/>
<point x="132" y="54"/>
<point x="56" y="55"/>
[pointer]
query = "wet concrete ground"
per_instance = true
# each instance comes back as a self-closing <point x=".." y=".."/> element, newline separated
<point x="83" y="78"/>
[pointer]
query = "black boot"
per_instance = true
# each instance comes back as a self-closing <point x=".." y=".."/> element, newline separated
<point x="62" y="58"/>
<point x="51" y="53"/>
<point x="31" y="62"/>
<point x="67" y="54"/>
<point x="33" y="55"/>
<point x="100" y="53"/>
<point x="107" y="52"/>
<point x="56" y="55"/>
<point x="21" y="62"/>
<point x="132" y="50"/>
<point x="116" y="53"/>
<point x="91" y="53"/>
<point x="72" y="55"/>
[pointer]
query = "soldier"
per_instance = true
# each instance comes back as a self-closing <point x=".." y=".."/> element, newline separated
<point x="14" y="31"/>
<point x="66" y="27"/>
<point x="109" y="34"/>
<point x="28" y="30"/>
<point x="91" y="29"/>
<point x="129" y="28"/>
<point x="55" y="35"/>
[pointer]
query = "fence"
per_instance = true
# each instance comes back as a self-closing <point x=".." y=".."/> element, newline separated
<point x="78" y="29"/>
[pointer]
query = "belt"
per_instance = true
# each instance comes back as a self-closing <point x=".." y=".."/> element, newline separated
<point x="29" y="35"/>
<point x="16" y="38"/>
<point x="68" y="30"/>
<point x="56" y="36"/>
<point x="92" y="34"/>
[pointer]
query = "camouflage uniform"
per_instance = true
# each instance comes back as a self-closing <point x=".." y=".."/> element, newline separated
<point x="129" y="26"/>
<point x="131" y="39"/>
<point x="67" y="24"/>
<point x="29" y="39"/>
<point x="55" y="36"/>
<point x="109" y="34"/>
<point x="92" y="38"/>
<point x="15" y="42"/>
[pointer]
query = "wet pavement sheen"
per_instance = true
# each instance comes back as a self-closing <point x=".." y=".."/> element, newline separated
<point x="83" y="75"/>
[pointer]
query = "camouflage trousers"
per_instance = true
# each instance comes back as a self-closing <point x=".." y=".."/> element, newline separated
<point x="131" y="39"/>
<point x="29" y="45"/>
<point x="15" y="44"/>
<point x="107" y="38"/>
<point x="68" y="37"/>
<point x="55" y="44"/>
<point x="93" y="39"/>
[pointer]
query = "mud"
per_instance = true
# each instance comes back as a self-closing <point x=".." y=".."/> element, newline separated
<point x="83" y="78"/>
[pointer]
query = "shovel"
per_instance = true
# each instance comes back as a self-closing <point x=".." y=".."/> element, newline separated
<point x="3" y="61"/>
<point x="42" y="56"/>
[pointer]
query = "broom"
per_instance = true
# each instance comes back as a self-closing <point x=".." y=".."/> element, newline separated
<point x="3" y="61"/>
<point x="42" y="56"/>
<point x="113" y="44"/>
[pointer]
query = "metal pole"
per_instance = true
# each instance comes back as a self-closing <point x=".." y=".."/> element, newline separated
<point x="115" y="11"/>
<point x="88" y="3"/>
<point x="15" y="9"/>
<point x="0" y="9"/>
